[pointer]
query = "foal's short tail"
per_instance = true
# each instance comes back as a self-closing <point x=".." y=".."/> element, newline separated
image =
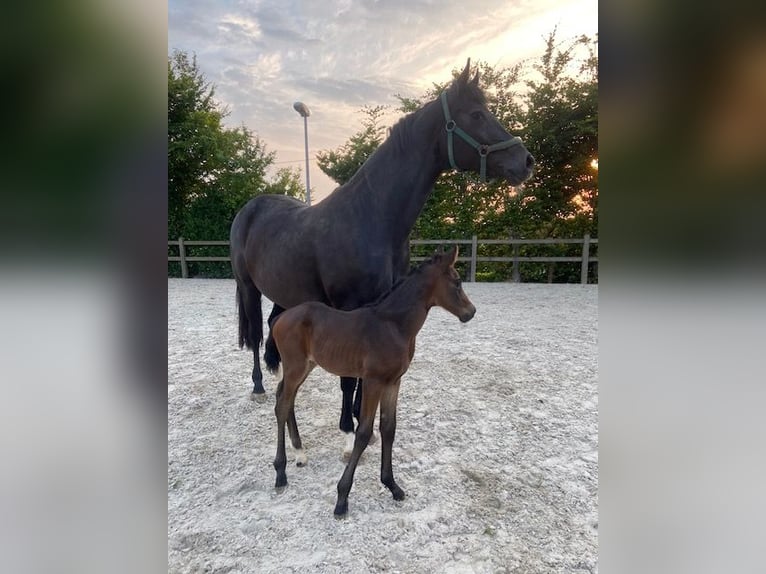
<point x="271" y="355"/>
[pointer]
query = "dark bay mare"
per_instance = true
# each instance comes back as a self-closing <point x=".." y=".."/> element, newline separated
<point x="375" y="343"/>
<point x="349" y="249"/>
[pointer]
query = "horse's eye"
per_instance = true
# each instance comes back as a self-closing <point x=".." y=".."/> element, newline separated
<point x="477" y="115"/>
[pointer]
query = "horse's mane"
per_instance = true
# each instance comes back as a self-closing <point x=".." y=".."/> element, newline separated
<point x="401" y="130"/>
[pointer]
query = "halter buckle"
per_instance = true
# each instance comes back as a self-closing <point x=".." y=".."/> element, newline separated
<point x="451" y="125"/>
<point x="483" y="150"/>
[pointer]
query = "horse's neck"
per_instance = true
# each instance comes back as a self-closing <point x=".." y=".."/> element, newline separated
<point x="400" y="176"/>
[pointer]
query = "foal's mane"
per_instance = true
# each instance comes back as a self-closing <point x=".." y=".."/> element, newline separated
<point x="405" y="278"/>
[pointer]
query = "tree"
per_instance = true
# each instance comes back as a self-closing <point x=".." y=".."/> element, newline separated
<point x="561" y="125"/>
<point x="553" y="106"/>
<point x="212" y="170"/>
<point x="343" y="163"/>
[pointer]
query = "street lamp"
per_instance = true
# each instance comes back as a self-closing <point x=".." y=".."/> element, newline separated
<point x="303" y="110"/>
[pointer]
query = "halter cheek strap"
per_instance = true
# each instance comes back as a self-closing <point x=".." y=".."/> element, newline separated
<point x="482" y="149"/>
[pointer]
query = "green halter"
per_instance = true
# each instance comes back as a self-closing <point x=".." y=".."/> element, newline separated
<point x="483" y="149"/>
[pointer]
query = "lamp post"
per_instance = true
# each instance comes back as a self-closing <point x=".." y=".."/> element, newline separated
<point x="303" y="110"/>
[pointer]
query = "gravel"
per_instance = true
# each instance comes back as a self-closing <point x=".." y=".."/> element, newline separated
<point x="496" y="446"/>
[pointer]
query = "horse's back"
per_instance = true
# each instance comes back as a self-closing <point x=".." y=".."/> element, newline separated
<point x="262" y="209"/>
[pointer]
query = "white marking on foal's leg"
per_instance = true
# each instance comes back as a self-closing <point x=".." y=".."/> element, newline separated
<point x="349" y="446"/>
<point x="300" y="457"/>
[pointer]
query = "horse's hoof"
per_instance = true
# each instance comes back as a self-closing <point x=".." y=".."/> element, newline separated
<point x="398" y="494"/>
<point x="340" y="511"/>
<point x="258" y="397"/>
<point x="300" y="458"/>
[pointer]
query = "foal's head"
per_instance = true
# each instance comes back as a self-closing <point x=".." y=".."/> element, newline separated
<point x="448" y="292"/>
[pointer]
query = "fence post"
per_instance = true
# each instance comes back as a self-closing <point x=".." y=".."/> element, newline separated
<point x="474" y="249"/>
<point x="182" y="255"/>
<point x="585" y="255"/>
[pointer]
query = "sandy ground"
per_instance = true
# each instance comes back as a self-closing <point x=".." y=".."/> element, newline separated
<point x="496" y="446"/>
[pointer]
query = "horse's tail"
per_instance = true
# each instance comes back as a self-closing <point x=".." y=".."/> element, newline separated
<point x="271" y="355"/>
<point x="250" y="326"/>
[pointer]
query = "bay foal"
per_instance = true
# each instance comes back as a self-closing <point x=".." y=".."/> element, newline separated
<point x="375" y="343"/>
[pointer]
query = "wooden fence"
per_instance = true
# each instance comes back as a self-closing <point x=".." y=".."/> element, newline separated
<point x="585" y="259"/>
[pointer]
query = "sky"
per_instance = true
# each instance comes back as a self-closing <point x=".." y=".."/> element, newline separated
<point x="337" y="56"/>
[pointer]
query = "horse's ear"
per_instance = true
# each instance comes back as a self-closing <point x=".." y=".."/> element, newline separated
<point x="475" y="80"/>
<point x="463" y="77"/>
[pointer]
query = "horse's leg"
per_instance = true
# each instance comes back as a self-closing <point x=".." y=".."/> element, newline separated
<point x="358" y="399"/>
<point x="387" y="433"/>
<point x="257" y="378"/>
<point x="251" y="327"/>
<point x="346" y="424"/>
<point x="370" y="402"/>
<point x="280" y="459"/>
<point x="347" y="385"/>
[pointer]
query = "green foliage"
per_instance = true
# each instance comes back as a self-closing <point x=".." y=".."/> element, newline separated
<point x="212" y="170"/>
<point x="553" y="106"/>
<point x="288" y="181"/>
<point x="561" y="125"/>
<point x="343" y="163"/>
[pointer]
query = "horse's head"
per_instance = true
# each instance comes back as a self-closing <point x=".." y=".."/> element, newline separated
<point x="474" y="139"/>
<point x="448" y="291"/>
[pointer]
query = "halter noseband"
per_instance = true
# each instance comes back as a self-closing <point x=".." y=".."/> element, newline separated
<point x="482" y="149"/>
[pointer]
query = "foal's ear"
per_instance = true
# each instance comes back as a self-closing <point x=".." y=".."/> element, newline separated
<point x="451" y="256"/>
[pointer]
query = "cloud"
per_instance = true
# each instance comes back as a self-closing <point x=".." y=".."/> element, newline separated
<point x="339" y="55"/>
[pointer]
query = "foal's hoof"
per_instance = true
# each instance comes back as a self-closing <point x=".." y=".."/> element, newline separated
<point x="258" y="397"/>
<point x="280" y="484"/>
<point x="398" y="493"/>
<point x="300" y="458"/>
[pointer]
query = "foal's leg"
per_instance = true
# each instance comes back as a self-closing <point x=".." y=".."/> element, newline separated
<point x="357" y="408"/>
<point x="285" y="413"/>
<point x="370" y="402"/>
<point x="387" y="433"/>
<point x="295" y="438"/>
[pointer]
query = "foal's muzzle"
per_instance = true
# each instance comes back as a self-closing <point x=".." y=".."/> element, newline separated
<point x="468" y="315"/>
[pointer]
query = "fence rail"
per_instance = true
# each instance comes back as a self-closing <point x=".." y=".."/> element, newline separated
<point x="585" y="259"/>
